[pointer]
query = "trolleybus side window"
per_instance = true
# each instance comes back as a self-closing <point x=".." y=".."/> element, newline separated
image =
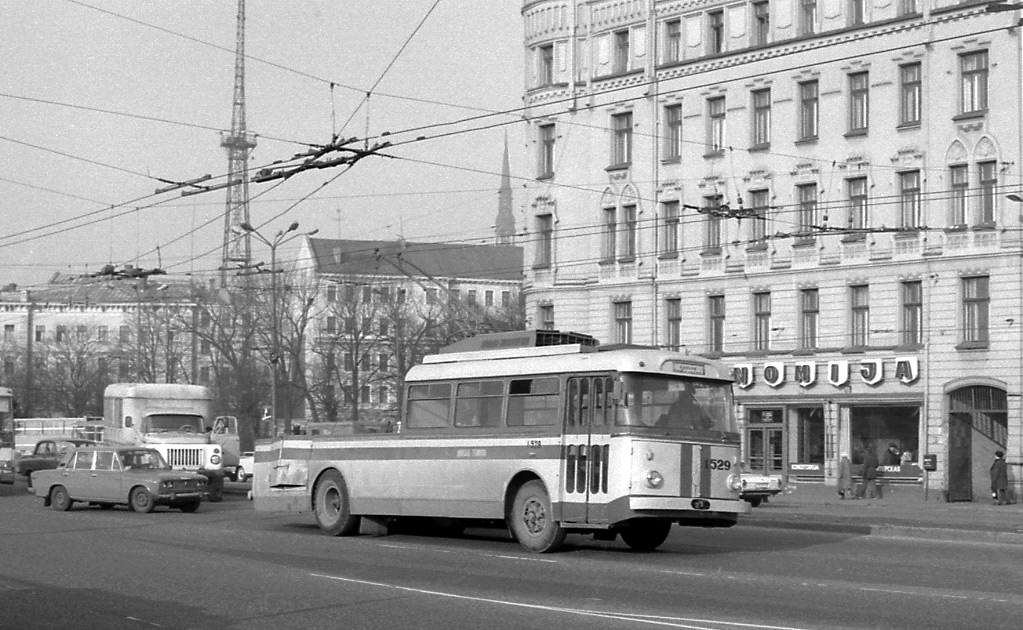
<point x="533" y="402"/>
<point x="429" y="405"/>
<point x="478" y="404"/>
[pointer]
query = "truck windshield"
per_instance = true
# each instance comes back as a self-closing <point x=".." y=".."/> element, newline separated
<point x="143" y="459"/>
<point x="173" y="422"/>
<point x="676" y="404"/>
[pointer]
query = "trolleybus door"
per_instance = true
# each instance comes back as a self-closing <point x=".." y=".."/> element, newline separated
<point x="589" y="414"/>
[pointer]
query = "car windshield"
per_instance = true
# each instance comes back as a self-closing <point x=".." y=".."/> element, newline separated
<point x="173" y="422"/>
<point x="142" y="459"/>
<point x="676" y="404"/>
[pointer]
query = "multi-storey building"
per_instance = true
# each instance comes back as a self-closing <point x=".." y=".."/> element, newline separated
<point x="379" y="306"/>
<point x="813" y="191"/>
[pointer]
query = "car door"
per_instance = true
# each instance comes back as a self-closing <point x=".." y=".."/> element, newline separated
<point x="106" y="478"/>
<point x="77" y="474"/>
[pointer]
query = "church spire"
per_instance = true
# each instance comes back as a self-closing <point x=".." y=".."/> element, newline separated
<point x="504" y="227"/>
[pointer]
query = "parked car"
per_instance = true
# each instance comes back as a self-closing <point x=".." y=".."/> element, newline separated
<point x="47" y="454"/>
<point x="757" y="488"/>
<point x="244" y="469"/>
<point x="110" y="475"/>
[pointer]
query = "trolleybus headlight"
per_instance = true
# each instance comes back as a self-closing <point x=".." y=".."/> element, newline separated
<point x="735" y="483"/>
<point x="654" y="479"/>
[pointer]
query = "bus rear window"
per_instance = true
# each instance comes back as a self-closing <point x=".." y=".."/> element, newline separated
<point x="533" y="402"/>
<point x="429" y="405"/>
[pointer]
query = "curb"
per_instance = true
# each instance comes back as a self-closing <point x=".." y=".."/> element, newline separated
<point x="894" y="531"/>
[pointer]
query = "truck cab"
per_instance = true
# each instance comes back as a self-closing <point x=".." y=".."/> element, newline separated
<point x="171" y="418"/>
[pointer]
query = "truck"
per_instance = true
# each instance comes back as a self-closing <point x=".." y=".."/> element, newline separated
<point x="175" y="419"/>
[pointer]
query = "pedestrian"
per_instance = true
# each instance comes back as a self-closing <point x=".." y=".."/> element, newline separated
<point x="868" y="487"/>
<point x="999" y="479"/>
<point x="893" y="457"/>
<point x="845" y="487"/>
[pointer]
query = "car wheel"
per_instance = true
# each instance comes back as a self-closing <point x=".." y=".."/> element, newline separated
<point x="332" y="508"/>
<point x="60" y="499"/>
<point x="531" y="520"/>
<point x="141" y="500"/>
<point x="189" y="506"/>
<point x="646" y="535"/>
<point x="754" y="501"/>
<point x="239" y="474"/>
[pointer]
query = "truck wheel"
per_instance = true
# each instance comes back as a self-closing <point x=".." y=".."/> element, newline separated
<point x="331" y="506"/>
<point x="646" y="535"/>
<point x="141" y="501"/>
<point x="532" y="521"/>
<point x="216" y="493"/>
<point x="60" y="499"/>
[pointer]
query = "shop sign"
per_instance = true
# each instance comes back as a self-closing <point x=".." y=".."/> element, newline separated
<point x="839" y="373"/>
<point x="805" y="467"/>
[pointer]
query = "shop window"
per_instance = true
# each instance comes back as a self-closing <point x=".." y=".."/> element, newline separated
<point x="810" y="428"/>
<point x="878" y="428"/>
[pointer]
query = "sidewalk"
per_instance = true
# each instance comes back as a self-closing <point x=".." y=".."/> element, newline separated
<point x="904" y="511"/>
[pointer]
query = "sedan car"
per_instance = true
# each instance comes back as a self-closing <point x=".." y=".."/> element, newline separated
<point x="47" y="454"/>
<point x="244" y="469"/>
<point x="109" y="475"/>
<point x="757" y="488"/>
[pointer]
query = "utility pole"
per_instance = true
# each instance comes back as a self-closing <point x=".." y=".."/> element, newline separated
<point x="237" y="248"/>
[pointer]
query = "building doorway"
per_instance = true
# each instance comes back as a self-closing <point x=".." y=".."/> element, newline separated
<point x="977" y="427"/>
<point x="765" y="442"/>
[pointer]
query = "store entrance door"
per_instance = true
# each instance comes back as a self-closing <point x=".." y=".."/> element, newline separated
<point x="960" y="446"/>
<point x="766" y="450"/>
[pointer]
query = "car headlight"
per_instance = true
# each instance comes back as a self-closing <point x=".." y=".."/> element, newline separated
<point x="166" y="485"/>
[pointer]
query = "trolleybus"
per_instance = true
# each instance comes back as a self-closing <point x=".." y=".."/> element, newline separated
<point x="6" y="435"/>
<point x="547" y="433"/>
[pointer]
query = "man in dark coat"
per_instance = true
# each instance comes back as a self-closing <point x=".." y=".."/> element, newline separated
<point x="999" y="479"/>
<point x="868" y="486"/>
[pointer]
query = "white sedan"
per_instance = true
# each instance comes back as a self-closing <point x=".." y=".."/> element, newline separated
<point x="244" y="469"/>
<point x="756" y="487"/>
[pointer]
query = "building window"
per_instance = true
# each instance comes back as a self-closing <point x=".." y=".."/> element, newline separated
<point x="546" y="69"/>
<point x="103" y="333"/>
<point x="332" y="293"/>
<point x="974" y="82"/>
<point x="857" y="12"/>
<point x="859" y="102"/>
<point x="471" y="297"/>
<point x="82" y="333"/>
<point x="621" y="145"/>
<point x="621" y="52"/>
<point x="809" y="311"/>
<point x="762" y="321"/>
<point x="673" y="310"/>
<point x="673" y="41"/>
<point x="911" y="91"/>
<point x="367" y="294"/>
<point x="912" y="313"/>
<point x="545" y="162"/>
<point x="715" y="32"/>
<point x="908" y="7"/>
<point x="545" y="313"/>
<point x="909" y="199"/>
<point x="716" y="125"/>
<point x="545" y="240"/>
<point x="672" y="132"/>
<point x="61" y="334"/>
<point x="623" y="322"/>
<point x="960" y="183"/>
<point x="806" y="221"/>
<point x="610" y="233"/>
<point x="9" y="331"/>
<point x="670" y="215"/>
<point x="857" y="203"/>
<point x="988" y="184"/>
<point x="807" y="17"/>
<point x="761" y="119"/>
<point x="716" y="313"/>
<point x="712" y="234"/>
<point x="628" y="232"/>
<point x="809" y="113"/>
<point x="859" y="304"/>
<point x="758" y="222"/>
<point x="976" y="300"/>
<point x="505" y="299"/>
<point x="123" y="334"/>
<point x="761" y="23"/>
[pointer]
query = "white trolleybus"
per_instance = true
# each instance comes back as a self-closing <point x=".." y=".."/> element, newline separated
<point x="543" y="431"/>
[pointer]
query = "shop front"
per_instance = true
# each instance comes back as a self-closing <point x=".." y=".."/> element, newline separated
<point x="799" y="417"/>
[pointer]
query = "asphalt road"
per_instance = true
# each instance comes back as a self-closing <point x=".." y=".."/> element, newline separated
<point x="227" y="567"/>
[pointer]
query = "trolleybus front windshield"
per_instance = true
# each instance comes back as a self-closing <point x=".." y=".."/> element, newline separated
<point x="672" y="403"/>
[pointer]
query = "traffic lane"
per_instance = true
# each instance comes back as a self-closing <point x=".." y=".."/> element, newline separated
<point x="484" y="571"/>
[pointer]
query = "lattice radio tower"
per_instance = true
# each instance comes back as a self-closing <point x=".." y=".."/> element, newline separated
<point x="237" y="252"/>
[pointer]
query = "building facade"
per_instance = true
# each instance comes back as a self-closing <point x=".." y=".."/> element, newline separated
<point x="813" y="191"/>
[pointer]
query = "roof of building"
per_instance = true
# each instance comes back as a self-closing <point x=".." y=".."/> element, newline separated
<point x="440" y="260"/>
<point x="83" y="290"/>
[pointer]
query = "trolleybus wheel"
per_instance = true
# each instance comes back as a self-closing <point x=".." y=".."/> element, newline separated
<point x="60" y="499"/>
<point x="532" y="520"/>
<point x="332" y="508"/>
<point x="646" y="535"/>
<point x="141" y="500"/>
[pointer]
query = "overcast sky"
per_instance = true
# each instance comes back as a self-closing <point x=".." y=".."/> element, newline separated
<point x="63" y="165"/>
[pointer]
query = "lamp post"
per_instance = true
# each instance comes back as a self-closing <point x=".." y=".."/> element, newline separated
<point x="279" y="239"/>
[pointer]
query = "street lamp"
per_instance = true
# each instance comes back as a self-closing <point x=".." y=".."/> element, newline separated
<point x="275" y="348"/>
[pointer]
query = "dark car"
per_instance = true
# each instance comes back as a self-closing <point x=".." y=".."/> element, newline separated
<point x="109" y="475"/>
<point x="47" y="454"/>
